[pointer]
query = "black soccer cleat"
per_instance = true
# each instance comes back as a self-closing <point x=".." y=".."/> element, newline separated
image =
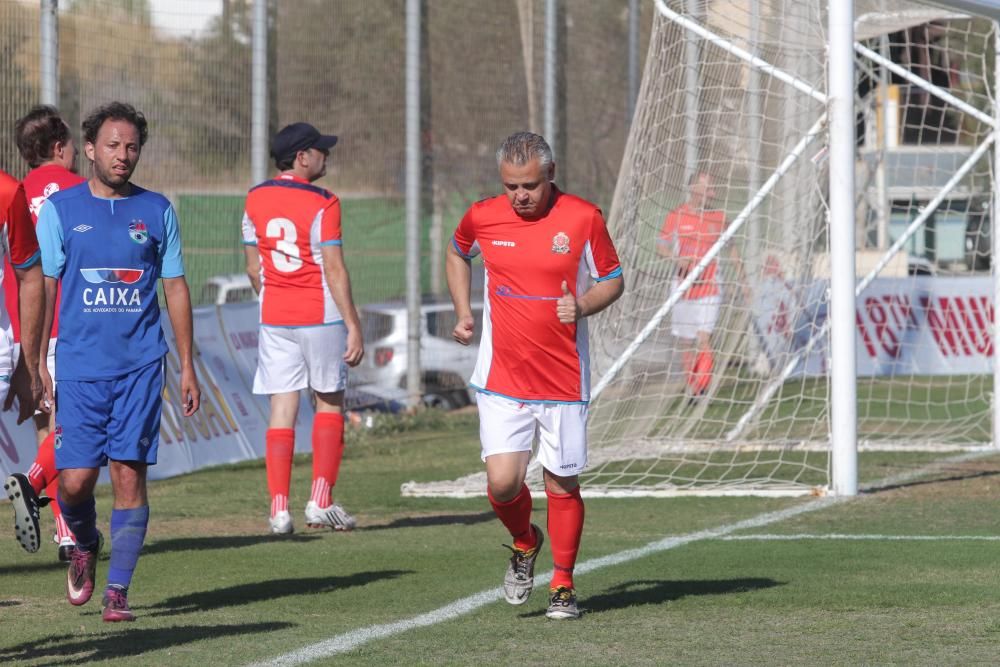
<point x="25" y="503"/>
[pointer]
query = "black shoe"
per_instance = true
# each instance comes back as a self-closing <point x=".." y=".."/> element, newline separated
<point x="25" y="502"/>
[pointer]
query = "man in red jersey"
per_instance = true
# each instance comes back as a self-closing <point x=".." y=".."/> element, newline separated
<point x="21" y="245"/>
<point x="688" y="233"/>
<point x="44" y="141"/>
<point x="549" y="263"/>
<point x="309" y="328"/>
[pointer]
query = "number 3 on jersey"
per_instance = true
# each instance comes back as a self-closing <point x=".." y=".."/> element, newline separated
<point x="286" y="257"/>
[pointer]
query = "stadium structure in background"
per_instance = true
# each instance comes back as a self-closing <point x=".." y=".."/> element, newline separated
<point x="854" y="271"/>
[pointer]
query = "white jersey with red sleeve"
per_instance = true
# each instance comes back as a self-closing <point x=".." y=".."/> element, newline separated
<point x="526" y="353"/>
<point x="290" y="220"/>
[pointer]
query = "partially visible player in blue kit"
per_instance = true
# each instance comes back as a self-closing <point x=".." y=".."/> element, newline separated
<point x="108" y="243"/>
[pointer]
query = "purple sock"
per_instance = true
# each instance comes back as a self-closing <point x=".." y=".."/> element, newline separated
<point x="82" y="520"/>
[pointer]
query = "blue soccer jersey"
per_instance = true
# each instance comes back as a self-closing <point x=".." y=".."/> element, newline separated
<point x="108" y="255"/>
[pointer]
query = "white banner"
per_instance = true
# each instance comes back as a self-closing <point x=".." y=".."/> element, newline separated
<point x="232" y="422"/>
<point x="924" y="325"/>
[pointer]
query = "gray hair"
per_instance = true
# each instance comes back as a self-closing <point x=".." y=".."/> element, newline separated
<point x="521" y="148"/>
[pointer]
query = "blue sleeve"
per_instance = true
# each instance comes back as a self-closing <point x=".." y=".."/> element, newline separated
<point x="171" y="259"/>
<point x="50" y="240"/>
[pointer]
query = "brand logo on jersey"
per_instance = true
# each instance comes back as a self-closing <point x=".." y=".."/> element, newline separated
<point x="505" y="244"/>
<point x="82" y="228"/>
<point x="560" y="243"/>
<point x="138" y="232"/>
<point x="111" y="299"/>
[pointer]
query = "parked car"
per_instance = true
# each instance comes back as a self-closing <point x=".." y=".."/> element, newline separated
<point x="446" y="365"/>
<point x="227" y="288"/>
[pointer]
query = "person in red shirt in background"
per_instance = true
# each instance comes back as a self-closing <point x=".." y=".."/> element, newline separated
<point x="688" y="233"/>
<point x="309" y="328"/>
<point x="44" y="141"/>
<point x="550" y="263"/>
<point x="19" y="250"/>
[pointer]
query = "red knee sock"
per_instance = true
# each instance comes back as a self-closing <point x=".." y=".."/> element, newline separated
<point x="565" y="528"/>
<point x="43" y="470"/>
<point x="515" y="514"/>
<point x="62" y="530"/>
<point x="328" y="450"/>
<point x="278" y="458"/>
<point x="701" y="373"/>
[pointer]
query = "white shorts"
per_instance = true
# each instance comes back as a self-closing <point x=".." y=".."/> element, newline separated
<point x="693" y="316"/>
<point x="506" y="425"/>
<point x="294" y="358"/>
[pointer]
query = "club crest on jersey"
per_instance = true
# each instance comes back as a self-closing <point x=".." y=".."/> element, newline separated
<point x="560" y="243"/>
<point x="58" y="437"/>
<point x="138" y="232"/>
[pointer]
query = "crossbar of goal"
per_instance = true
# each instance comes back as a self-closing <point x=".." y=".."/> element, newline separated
<point x="738" y="222"/>
<point x="764" y="398"/>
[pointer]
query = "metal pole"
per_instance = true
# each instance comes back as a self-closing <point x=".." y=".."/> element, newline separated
<point x="258" y="103"/>
<point x="995" y="231"/>
<point x="755" y="141"/>
<point x="413" y="201"/>
<point x="551" y="43"/>
<point x="691" y="92"/>
<point x="49" y="52"/>
<point x="881" y="185"/>
<point x="843" y="408"/>
<point x="633" y="61"/>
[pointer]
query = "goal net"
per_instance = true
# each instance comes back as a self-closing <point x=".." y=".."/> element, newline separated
<point x="711" y="374"/>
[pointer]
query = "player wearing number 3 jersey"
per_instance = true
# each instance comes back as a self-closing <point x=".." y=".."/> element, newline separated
<point x="309" y="328"/>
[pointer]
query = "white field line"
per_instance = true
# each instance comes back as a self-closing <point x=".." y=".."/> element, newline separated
<point x="875" y="538"/>
<point x="355" y="638"/>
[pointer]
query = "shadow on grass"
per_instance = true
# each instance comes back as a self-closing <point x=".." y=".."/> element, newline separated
<point x="70" y="650"/>
<point x="940" y="479"/>
<point x="43" y="564"/>
<point x="435" y="520"/>
<point x="659" y="591"/>
<point x="221" y="542"/>
<point x="263" y="591"/>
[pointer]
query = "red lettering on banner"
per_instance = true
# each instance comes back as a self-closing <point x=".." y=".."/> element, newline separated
<point x="7" y="444"/>
<point x="878" y="313"/>
<point x="865" y="336"/>
<point x="946" y="327"/>
<point x="977" y="315"/>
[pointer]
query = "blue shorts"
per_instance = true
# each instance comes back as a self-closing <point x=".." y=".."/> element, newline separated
<point x="115" y="419"/>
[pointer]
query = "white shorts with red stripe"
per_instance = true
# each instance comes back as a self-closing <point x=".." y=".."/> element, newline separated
<point x="507" y="425"/>
<point x="294" y="358"/>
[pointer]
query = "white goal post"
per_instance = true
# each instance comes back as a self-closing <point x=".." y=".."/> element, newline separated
<point x="899" y="181"/>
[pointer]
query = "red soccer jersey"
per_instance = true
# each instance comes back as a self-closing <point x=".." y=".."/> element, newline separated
<point x="526" y="353"/>
<point x="691" y="234"/>
<point x="18" y="245"/>
<point x="290" y="220"/>
<point x="38" y="185"/>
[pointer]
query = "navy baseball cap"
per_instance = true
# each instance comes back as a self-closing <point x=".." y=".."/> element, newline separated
<point x="299" y="137"/>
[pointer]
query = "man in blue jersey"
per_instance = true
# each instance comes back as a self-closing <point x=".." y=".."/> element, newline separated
<point x="108" y="243"/>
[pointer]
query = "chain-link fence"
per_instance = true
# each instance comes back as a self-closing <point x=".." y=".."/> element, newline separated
<point x="338" y="64"/>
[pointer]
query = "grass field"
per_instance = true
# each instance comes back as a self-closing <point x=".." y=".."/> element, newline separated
<point x="212" y="586"/>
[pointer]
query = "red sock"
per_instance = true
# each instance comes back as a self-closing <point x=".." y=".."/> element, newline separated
<point x="515" y="514"/>
<point x="278" y="458"/>
<point x="701" y="374"/>
<point x="565" y="528"/>
<point x="328" y="450"/>
<point x="43" y="470"/>
<point x="52" y="491"/>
